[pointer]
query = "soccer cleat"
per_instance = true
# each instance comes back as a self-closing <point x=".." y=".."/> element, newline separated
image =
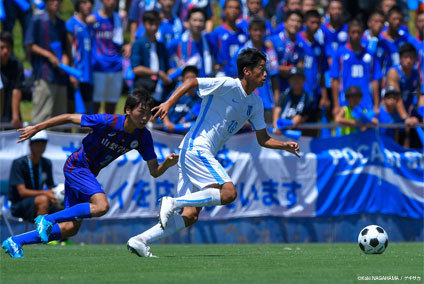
<point x="139" y="248"/>
<point x="12" y="248"/>
<point x="44" y="227"/>
<point x="166" y="210"/>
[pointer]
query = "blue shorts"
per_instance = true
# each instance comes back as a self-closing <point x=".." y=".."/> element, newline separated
<point x="80" y="185"/>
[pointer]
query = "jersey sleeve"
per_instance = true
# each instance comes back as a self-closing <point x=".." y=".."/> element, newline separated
<point x="95" y="121"/>
<point x="146" y="148"/>
<point x="16" y="176"/>
<point x="335" y="68"/>
<point x="257" y="119"/>
<point x="215" y="86"/>
<point x="70" y="26"/>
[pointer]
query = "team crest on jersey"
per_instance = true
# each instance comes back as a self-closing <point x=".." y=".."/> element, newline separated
<point x="241" y="38"/>
<point x="342" y="36"/>
<point x="249" y="110"/>
<point x="346" y="56"/>
<point x="367" y="58"/>
<point x="134" y="144"/>
<point x="111" y="134"/>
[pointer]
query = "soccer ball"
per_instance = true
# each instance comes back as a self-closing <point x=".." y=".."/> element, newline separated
<point x="373" y="239"/>
<point x="59" y="193"/>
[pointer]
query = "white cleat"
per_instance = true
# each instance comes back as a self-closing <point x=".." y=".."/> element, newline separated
<point x="139" y="248"/>
<point x="166" y="210"/>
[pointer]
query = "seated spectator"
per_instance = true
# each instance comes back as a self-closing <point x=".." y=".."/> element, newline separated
<point x="388" y="113"/>
<point x="12" y="77"/>
<point x="294" y="103"/>
<point x="28" y="177"/>
<point x="149" y="59"/>
<point x="184" y="108"/>
<point x="46" y="42"/>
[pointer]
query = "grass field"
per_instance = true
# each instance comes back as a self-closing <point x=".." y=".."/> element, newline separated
<point x="258" y="263"/>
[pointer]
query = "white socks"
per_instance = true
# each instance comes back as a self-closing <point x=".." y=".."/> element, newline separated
<point x="208" y="197"/>
<point x="175" y="224"/>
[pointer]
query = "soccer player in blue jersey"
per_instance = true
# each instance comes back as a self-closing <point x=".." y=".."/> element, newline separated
<point x="135" y="15"/>
<point x="112" y="136"/>
<point x="255" y="8"/>
<point x="80" y="36"/>
<point x="227" y="38"/>
<point x="354" y="65"/>
<point x="171" y="27"/>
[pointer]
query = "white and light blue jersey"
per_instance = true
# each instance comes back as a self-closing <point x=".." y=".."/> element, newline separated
<point x="225" y="109"/>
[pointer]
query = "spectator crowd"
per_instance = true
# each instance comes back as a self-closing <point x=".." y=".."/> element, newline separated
<point x="357" y="66"/>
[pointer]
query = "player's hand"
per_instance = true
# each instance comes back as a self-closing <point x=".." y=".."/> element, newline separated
<point x="50" y="195"/>
<point x="292" y="147"/>
<point x="161" y="110"/>
<point x="411" y="121"/>
<point x="16" y="122"/>
<point x="27" y="133"/>
<point x="53" y="60"/>
<point x="171" y="160"/>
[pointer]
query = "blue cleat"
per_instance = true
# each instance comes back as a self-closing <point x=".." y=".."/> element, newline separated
<point x="44" y="227"/>
<point x="12" y="248"/>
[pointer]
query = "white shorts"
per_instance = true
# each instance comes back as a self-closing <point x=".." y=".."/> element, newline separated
<point x="107" y="86"/>
<point x="197" y="170"/>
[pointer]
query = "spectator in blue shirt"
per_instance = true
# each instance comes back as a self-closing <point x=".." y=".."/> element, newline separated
<point x="47" y="44"/>
<point x="135" y="15"/>
<point x="388" y="113"/>
<point x="255" y="8"/>
<point x="80" y="36"/>
<point x="353" y="65"/>
<point x="183" y="110"/>
<point x="171" y="26"/>
<point x="149" y="59"/>
<point x="290" y="5"/>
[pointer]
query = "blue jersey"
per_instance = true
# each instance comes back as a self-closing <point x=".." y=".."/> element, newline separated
<point x="289" y="53"/>
<point x="182" y="107"/>
<point x="137" y="9"/>
<point x="107" y="43"/>
<point x="225" y="42"/>
<point x="169" y="29"/>
<point x="393" y="45"/>
<point x="380" y="50"/>
<point x="265" y="92"/>
<point x="386" y="117"/>
<point x="81" y="47"/>
<point x="182" y="7"/>
<point x="333" y="39"/>
<point x="419" y="45"/>
<point x="408" y="85"/>
<point x="184" y="48"/>
<point x="315" y="64"/>
<point x="355" y="69"/>
<point x="244" y="26"/>
<point x="108" y="141"/>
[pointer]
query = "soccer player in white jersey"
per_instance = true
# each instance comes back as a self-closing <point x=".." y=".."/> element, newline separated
<point x="227" y="104"/>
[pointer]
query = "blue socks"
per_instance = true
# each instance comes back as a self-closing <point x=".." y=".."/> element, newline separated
<point x="76" y="212"/>
<point x="32" y="237"/>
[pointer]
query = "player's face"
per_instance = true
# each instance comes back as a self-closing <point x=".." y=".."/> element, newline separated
<point x="376" y="24"/>
<point x="254" y="6"/>
<point x="355" y="34"/>
<point x="408" y="60"/>
<point x="257" y="34"/>
<point x="308" y="5"/>
<point x="196" y="23"/>
<point x="151" y="27"/>
<point x="85" y="8"/>
<point x="419" y="24"/>
<point x="53" y="6"/>
<point x="37" y="147"/>
<point x="258" y="74"/>
<point x="232" y="10"/>
<point x="293" y="24"/>
<point x="293" y="5"/>
<point x="354" y="100"/>
<point x="386" y="5"/>
<point x="167" y="5"/>
<point x="140" y="115"/>
<point x="313" y="24"/>
<point x="335" y="10"/>
<point x="395" y="20"/>
<point x="109" y="4"/>
<point x="5" y="52"/>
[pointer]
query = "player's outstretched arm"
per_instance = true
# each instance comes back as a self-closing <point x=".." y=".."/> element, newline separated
<point x="266" y="141"/>
<point x="163" y="109"/>
<point x="30" y="131"/>
<point x="157" y="170"/>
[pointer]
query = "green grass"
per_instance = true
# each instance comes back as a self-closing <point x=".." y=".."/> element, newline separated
<point x="257" y="263"/>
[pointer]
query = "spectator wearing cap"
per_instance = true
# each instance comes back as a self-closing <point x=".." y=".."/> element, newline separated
<point x="388" y="113"/>
<point x="12" y="76"/>
<point x="29" y="176"/>
<point x="294" y="104"/>
<point x="346" y="115"/>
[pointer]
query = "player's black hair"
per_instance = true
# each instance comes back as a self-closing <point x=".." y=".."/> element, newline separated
<point x="257" y="21"/>
<point x="196" y="10"/>
<point x="293" y="12"/>
<point x="138" y="96"/>
<point x="190" y="68"/>
<point x="405" y="48"/>
<point x="7" y="38"/>
<point x="312" y="14"/>
<point x="151" y="16"/>
<point x="354" y="23"/>
<point x="331" y="1"/>
<point x="249" y="58"/>
<point x="226" y="1"/>
<point x="377" y="12"/>
<point x="77" y="4"/>
<point x="395" y="10"/>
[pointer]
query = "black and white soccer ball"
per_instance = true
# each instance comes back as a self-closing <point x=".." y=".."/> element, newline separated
<point x="59" y="193"/>
<point x="373" y="239"/>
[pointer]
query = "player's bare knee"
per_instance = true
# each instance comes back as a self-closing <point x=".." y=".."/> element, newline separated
<point x="41" y="201"/>
<point x="228" y="194"/>
<point x="69" y="229"/>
